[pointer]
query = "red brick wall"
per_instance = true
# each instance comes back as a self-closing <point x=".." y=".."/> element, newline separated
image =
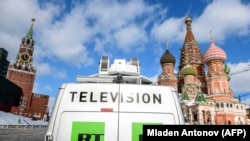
<point x="39" y="104"/>
<point x="24" y="80"/>
<point x="35" y="104"/>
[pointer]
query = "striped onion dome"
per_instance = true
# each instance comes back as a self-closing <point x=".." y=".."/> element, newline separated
<point x="214" y="52"/>
<point x="188" y="70"/>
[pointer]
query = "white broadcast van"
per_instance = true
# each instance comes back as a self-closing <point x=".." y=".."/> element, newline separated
<point x="112" y="105"/>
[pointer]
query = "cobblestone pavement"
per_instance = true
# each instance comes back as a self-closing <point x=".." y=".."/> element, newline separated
<point x="22" y="134"/>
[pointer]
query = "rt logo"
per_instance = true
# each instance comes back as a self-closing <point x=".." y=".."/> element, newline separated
<point x="88" y="131"/>
<point x="90" y="137"/>
<point x="140" y="137"/>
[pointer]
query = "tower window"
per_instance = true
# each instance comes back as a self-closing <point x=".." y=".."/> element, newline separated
<point x="217" y="105"/>
<point x="222" y="105"/>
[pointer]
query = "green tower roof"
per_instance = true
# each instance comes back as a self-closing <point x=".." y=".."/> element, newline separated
<point x="200" y="98"/>
<point x="188" y="70"/>
<point x="30" y="32"/>
<point x="185" y="96"/>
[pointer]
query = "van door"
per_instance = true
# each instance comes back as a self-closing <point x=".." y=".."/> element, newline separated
<point x="92" y="114"/>
<point x="145" y="105"/>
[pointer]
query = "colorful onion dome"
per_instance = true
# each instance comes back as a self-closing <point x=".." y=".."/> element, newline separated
<point x="226" y="69"/>
<point x="213" y="53"/>
<point x="228" y="77"/>
<point x="167" y="57"/>
<point x="188" y="70"/>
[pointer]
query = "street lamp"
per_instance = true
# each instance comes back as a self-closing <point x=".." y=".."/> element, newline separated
<point x="21" y="107"/>
<point x="45" y="116"/>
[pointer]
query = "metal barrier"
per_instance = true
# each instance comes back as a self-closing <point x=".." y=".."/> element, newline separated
<point x="23" y="126"/>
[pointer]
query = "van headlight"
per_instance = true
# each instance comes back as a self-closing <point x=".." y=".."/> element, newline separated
<point x="48" y="138"/>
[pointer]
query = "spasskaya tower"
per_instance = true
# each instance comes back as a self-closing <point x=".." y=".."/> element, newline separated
<point x="23" y="73"/>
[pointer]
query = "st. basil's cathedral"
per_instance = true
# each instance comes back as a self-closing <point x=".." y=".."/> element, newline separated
<point x="206" y="97"/>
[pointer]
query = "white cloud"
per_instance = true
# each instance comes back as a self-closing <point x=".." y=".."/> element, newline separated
<point x="18" y="21"/>
<point x="100" y="46"/>
<point x="64" y="39"/>
<point x="99" y="20"/>
<point x="224" y="18"/>
<point x="62" y="34"/>
<point x="36" y="87"/>
<point x="113" y="15"/>
<point x="154" y="79"/>
<point x="113" y="20"/>
<point x="240" y="81"/>
<point x="46" y="69"/>
<point x="60" y="74"/>
<point x="51" y="104"/>
<point x="130" y="38"/>
<point x="247" y="102"/>
<point x="170" y="30"/>
<point x="48" y="88"/>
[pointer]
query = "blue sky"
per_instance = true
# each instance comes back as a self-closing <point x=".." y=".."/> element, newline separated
<point x="72" y="36"/>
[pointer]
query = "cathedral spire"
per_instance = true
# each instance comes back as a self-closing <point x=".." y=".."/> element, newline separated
<point x="191" y="54"/>
<point x="30" y="32"/>
<point x="189" y="34"/>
